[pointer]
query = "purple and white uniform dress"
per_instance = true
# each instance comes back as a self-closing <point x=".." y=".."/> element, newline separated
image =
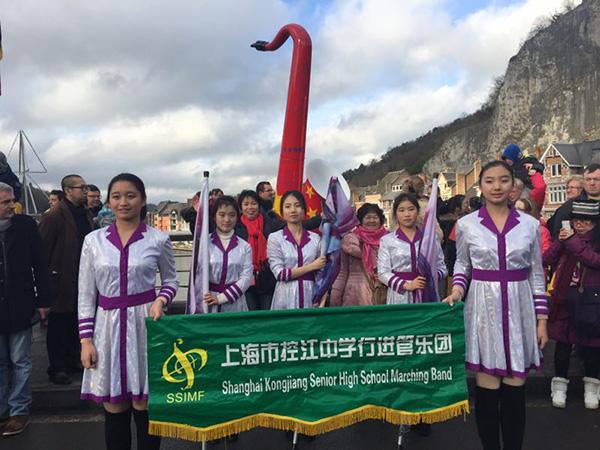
<point x="123" y="279"/>
<point x="230" y="272"/>
<point x="507" y="289"/>
<point x="397" y="264"/>
<point x="284" y="254"/>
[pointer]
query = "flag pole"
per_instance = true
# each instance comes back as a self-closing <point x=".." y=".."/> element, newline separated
<point x="204" y="243"/>
<point x="199" y="252"/>
<point x="204" y="247"/>
<point x="419" y="293"/>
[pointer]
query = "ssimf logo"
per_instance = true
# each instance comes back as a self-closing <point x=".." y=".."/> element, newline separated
<point x="181" y="367"/>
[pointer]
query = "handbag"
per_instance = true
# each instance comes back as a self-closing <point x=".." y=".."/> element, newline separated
<point x="583" y="304"/>
<point x="379" y="290"/>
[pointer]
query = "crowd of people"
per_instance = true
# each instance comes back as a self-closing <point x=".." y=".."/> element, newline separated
<point x="94" y="275"/>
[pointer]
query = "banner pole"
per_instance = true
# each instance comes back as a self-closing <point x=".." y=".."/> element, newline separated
<point x="295" y="441"/>
<point x="404" y="429"/>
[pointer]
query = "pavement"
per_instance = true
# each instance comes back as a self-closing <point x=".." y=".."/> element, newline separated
<point x="574" y="428"/>
<point x="60" y="420"/>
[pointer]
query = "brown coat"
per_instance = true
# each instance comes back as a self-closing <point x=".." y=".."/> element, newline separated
<point x="59" y="234"/>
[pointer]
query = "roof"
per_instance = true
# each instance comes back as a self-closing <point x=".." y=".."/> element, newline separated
<point x="577" y="155"/>
<point x="162" y="205"/>
<point x="166" y="207"/>
<point x="449" y="176"/>
<point x="391" y="195"/>
<point x="390" y="178"/>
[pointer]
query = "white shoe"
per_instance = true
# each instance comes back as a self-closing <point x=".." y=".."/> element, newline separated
<point x="591" y="391"/>
<point x="559" y="392"/>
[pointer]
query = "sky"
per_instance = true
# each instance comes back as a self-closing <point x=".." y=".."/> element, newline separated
<point x="167" y="90"/>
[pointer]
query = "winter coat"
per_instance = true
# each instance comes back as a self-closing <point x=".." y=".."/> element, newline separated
<point x="61" y="241"/>
<point x="24" y="285"/>
<point x="538" y="191"/>
<point x="351" y="287"/>
<point x="567" y="253"/>
<point x="447" y="223"/>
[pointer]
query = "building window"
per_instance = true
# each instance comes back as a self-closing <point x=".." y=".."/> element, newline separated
<point x="556" y="170"/>
<point x="557" y="194"/>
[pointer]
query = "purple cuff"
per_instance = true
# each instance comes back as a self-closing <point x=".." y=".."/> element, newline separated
<point x="541" y="304"/>
<point x="233" y="293"/>
<point x="86" y="328"/>
<point x="394" y="283"/>
<point x="167" y="292"/>
<point x="285" y="275"/>
<point x="440" y="275"/>
<point x="460" y="280"/>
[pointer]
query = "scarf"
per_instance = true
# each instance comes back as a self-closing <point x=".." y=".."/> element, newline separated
<point x="257" y="241"/>
<point x="5" y="224"/>
<point x="370" y="240"/>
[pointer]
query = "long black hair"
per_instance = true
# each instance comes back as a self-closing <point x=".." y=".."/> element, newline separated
<point x="137" y="183"/>
<point x="297" y="195"/>
<point x="405" y="196"/>
<point x="496" y="163"/>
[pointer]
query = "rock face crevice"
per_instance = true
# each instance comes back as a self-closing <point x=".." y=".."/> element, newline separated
<point x="551" y="93"/>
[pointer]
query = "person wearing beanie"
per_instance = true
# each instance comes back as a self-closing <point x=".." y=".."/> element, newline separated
<point x="530" y="171"/>
<point x="511" y="154"/>
<point x="577" y="253"/>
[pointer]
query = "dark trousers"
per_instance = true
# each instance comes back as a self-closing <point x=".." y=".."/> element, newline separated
<point x="258" y="302"/>
<point x="62" y="342"/>
<point x="562" y="360"/>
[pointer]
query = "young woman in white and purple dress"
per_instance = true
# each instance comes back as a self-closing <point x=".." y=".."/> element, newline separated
<point x="117" y="291"/>
<point x="293" y="255"/>
<point x="230" y="261"/>
<point x="397" y="257"/>
<point x="499" y="259"/>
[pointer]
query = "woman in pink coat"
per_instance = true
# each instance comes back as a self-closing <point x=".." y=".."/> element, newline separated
<point x="357" y="283"/>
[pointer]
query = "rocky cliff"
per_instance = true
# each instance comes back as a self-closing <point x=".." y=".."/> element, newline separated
<point x="551" y="92"/>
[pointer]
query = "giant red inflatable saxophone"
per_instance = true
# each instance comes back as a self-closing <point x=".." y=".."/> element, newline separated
<point x="291" y="159"/>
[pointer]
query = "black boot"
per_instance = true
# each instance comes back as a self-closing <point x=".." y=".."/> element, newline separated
<point x="145" y="441"/>
<point x="487" y="416"/>
<point x="117" y="430"/>
<point x="512" y="416"/>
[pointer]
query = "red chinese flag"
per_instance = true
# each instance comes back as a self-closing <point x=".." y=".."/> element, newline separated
<point x="313" y="200"/>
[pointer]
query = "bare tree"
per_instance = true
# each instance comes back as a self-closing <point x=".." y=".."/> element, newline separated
<point x="494" y="92"/>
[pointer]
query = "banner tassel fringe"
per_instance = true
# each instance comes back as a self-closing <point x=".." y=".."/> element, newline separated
<point x="190" y="433"/>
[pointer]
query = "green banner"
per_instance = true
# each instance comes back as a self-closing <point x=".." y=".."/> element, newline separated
<point x="311" y="370"/>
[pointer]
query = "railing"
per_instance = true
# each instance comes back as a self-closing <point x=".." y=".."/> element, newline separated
<point x="182" y="249"/>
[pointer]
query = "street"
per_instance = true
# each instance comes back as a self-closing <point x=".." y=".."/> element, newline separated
<point x="547" y="429"/>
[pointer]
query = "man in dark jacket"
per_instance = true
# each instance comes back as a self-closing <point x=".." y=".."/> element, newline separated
<point x="23" y="288"/>
<point x="7" y="176"/>
<point x="265" y="193"/>
<point x="63" y="230"/>
<point x="94" y="200"/>
<point x="591" y="191"/>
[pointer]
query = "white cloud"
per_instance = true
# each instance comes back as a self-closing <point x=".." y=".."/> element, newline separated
<point x="169" y="89"/>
